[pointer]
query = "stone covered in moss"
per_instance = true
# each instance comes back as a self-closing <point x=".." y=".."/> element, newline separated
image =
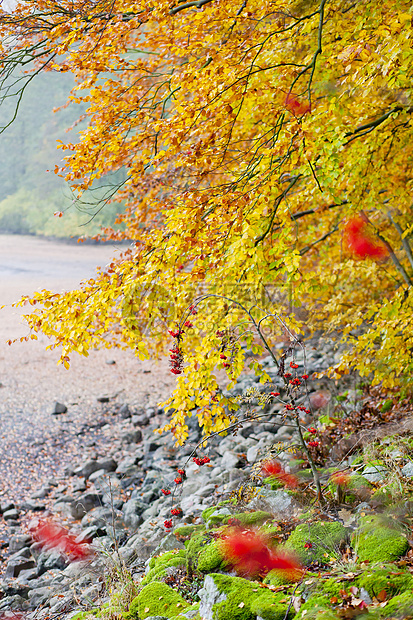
<point x="156" y="599"/>
<point x="317" y="607"/>
<point x="203" y="554"/>
<point x="252" y="518"/>
<point x="158" y="565"/>
<point x="188" y="530"/>
<point x="389" y="578"/>
<point x="210" y="558"/>
<point x="324" y="538"/>
<point x="374" y="541"/>
<point x="214" y="515"/>
<point x="233" y="598"/>
<point x="400" y="606"/>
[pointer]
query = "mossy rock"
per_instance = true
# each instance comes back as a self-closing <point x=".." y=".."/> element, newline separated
<point x="208" y="512"/>
<point x="204" y="552"/>
<point x="388" y="578"/>
<point x="188" y="530"/>
<point x="317" y="607"/>
<point x="400" y="606"/>
<point x="156" y="599"/>
<point x="386" y="494"/>
<point x="245" y="600"/>
<point x="158" y="565"/>
<point x="210" y="558"/>
<point x="325" y="538"/>
<point x="277" y="578"/>
<point x="331" y="587"/>
<point x="252" y="518"/>
<point x="373" y="541"/>
<point x="214" y="515"/>
<point x="85" y="615"/>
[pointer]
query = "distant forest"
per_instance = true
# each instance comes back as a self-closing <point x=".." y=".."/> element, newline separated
<point x="30" y="191"/>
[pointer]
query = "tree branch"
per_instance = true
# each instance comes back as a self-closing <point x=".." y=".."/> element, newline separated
<point x="196" y="3"/>
<point x="404" y="240"/>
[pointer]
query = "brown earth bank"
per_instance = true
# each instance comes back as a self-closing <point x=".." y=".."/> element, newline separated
<point x="34" y="444"/>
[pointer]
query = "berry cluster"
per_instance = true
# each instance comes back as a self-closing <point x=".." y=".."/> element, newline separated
<point x="176" y="360"/>
<point x="201" y="461"/>
<point x="176" y="512"/>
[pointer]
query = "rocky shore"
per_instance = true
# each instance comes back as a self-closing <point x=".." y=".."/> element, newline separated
<point x="112" y="499"/>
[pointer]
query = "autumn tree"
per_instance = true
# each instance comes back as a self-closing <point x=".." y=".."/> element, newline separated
<point x="268" y="155"/>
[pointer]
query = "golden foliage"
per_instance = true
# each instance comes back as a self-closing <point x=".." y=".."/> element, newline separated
<point x="251" y="132"/>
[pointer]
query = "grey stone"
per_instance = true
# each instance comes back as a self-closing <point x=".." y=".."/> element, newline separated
<point x="407" y="470"/>
<point x="42" y="492"/>
<point x="83" y="504"/>
<point x="59" y="604"/>
<point x="16" y="565"/>
<point x="88" y="468"/>
<point x="39" y="596"/>
<point x="132" y="511"/>
<point x="375" y="473"/>
<point x="15" y="602"/>
<point x="124" y="411"/>
<point x="49" y="559"/>
<point x="209" y="595"/>
<point x="33" y="506"/>
<point x="59" y="408"/>
<point x="80" y="486"/>
<point x="230" y="460"/>
<point x="128" y="465"/>
<point x="11" y="515"/>
<point x="97" y="474"/>
<point x="108" y="464"/>
<point x="252" y="453"/>
<point x="98" y="517"/>
<point x="19" y="542"/>
<point x="365" y="596"/>
<point x="134" y="436"/>
<point x="277" y="502"/>
<point x="6" y="507"/>
<point x="206" y="491"/>
<point x="103" y="399"/>
<point x="150" y="446"/>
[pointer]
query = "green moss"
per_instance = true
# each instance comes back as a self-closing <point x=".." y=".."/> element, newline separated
<point x="277" y="578"/>
<point x="315" y="608"/>
<point x="188" y="530"/>
<point x="252" y="518"/>
<point x="202" y="548"/>
<point x="271" y="605"/>
<point x="389" y="578"/>
<point x="156" y="599"/>
<point x="325" y="537"/>
<point x="330" y="587"/>
<point x="160" y="563"/>
<point x="373" y="541"/>
<point x="210" y="558"/>
<point x="273" y="483"/>
<point x="400" y="606"/>
<point x="357" y="481"/>
<point x="85" y="615"/>
<point x="245" y="600"/>
<point x="208" y="512"/>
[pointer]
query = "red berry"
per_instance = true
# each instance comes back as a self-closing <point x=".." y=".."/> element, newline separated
<point x="166" y="491"/>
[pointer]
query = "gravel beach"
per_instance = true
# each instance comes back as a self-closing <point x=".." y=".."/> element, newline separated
<point x="34" y="444"/>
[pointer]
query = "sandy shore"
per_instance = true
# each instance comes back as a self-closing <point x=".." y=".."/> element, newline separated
<point x="31" y="446"/>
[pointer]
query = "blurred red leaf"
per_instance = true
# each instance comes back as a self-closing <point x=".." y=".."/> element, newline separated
<point x="248" y="553"/>
<point x="360" y="243"/>
<point x="273" y="469"/>
<point x="54" y="535"/>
